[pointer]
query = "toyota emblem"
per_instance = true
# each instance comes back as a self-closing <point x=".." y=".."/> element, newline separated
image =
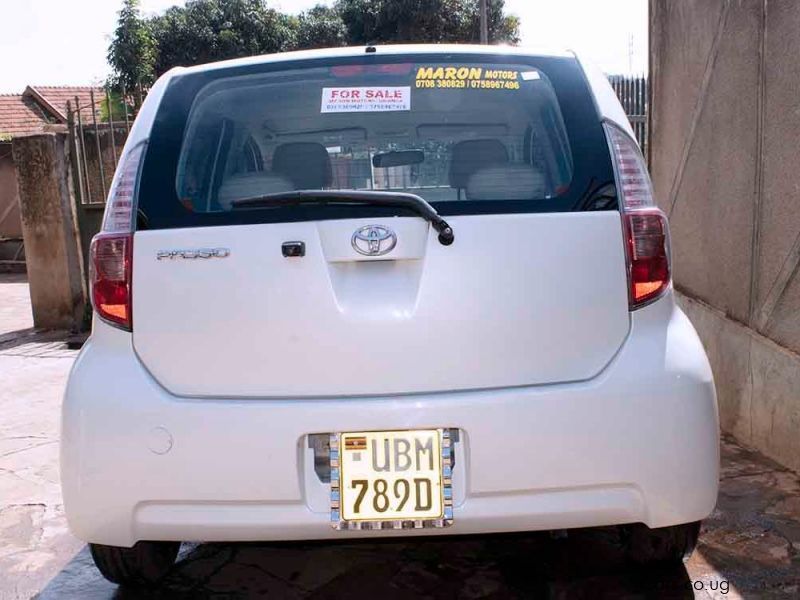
<point x="373" y="240"/>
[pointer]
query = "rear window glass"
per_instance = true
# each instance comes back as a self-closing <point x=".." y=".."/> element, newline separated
<point x="466" y="135"/>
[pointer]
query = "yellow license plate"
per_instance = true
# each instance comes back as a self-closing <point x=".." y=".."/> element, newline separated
<point x="392" y="479"/>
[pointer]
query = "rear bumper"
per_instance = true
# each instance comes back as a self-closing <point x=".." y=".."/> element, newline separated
<point x="639" y="443"/>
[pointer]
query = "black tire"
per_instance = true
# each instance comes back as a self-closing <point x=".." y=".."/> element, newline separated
<point x="666" y="545"/>
<point x="142" y="565"/>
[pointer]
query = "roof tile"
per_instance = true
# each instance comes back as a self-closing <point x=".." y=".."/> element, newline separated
<point x="23" y="113"/>
<point x="58" y="96"/>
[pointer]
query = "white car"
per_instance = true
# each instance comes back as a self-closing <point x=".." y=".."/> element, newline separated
<point x="384" y="291"/>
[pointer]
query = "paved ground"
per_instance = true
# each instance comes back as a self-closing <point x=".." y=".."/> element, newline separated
<point x="34" y="541"/>
<point x="750" y="546"/>
<point x="15" y="308"/>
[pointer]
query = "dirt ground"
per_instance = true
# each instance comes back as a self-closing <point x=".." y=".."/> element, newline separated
<point x="749" y="547"/>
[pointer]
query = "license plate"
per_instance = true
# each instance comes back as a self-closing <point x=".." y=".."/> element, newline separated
<point x="391" y="479"/>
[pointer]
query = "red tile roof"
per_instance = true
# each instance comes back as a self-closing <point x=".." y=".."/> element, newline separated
<point x="59" y="96"/>
<point x="20" y="115"/>
<point x="38" y="106"/>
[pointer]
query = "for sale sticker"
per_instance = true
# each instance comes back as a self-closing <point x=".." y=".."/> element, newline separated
<point x="365" y="99"/>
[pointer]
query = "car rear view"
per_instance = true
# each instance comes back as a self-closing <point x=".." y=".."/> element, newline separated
<point x="383" y="291"/>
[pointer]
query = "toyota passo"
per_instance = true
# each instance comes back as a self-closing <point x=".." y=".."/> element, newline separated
<point x="384" y="291"/>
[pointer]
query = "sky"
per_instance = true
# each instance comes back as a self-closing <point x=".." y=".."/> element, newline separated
<point x="64" y="42"/>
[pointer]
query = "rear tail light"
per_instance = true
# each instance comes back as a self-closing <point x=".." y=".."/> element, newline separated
<point x="647" y="235"/>
<point x="112" y="263"/>
<point x="112" y="249"/>
<point x="645" y="226"/>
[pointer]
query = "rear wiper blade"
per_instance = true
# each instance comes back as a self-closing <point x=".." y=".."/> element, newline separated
<point x="354" y="197"/>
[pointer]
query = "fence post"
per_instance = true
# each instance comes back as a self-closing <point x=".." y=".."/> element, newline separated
<point x="125" y="107"/>
<point x="97" y="143"/>
<point x="73" y="154"/>
<point x="82" y="159"/>
<point x="111" y="127"/>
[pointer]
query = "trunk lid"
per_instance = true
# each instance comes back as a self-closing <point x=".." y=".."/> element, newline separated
<point x="516" y="300"/>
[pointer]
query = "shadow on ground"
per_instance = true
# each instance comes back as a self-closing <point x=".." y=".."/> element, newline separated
<point x="752" y="539"/>
<point x="587" y="564"/>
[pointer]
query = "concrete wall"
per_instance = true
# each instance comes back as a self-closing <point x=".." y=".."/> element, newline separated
<point x="54" y="262"/>
<point x="10" y="223"/>
<point x="757" y="383"/>
<point x="725" y="122"/>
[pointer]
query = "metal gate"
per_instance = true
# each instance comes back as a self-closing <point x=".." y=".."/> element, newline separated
<point x="632" y="93"/>
<point x="96" y="136"/>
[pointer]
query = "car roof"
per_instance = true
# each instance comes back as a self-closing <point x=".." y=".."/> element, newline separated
<point x="379" y="50"/>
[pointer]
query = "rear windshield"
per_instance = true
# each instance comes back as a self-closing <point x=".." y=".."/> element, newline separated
<point x="469" y="136"/>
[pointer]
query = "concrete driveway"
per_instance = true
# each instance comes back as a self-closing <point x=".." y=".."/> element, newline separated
<point x="750" y="546"/>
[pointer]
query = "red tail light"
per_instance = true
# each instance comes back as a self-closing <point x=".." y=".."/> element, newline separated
<point x="648" y="255"/>
<point x="112" y="248"/>
<point x="112" y="267"/>
<point x="645" y="226"/>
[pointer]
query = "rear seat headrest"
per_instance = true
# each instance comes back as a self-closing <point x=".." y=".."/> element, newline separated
<point x="468" y="156"/>
<point x="506" y="182"/>
<point x="250" y="185"/>
<point x="306" y="164"/>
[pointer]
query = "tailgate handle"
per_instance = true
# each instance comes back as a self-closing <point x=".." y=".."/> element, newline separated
<point x="293" y="249"/>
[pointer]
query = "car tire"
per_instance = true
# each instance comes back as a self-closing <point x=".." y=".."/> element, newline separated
<point x="665" y="545"/>
<point x="140" y="566"/>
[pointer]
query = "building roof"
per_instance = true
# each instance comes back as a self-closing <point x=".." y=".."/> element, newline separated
<point x="19" y="115"/>
<point x="58" y="96"/>
<point x="39" y="106"/>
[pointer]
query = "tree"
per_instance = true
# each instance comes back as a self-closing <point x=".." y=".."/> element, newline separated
<point x="375" y="21"/>
<point x="210" y="30"/>
<point x="131" y="53"/>
<point x="321" y="27"/>
<point x="117" y="107"/>
<point x="502" y="28"/>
